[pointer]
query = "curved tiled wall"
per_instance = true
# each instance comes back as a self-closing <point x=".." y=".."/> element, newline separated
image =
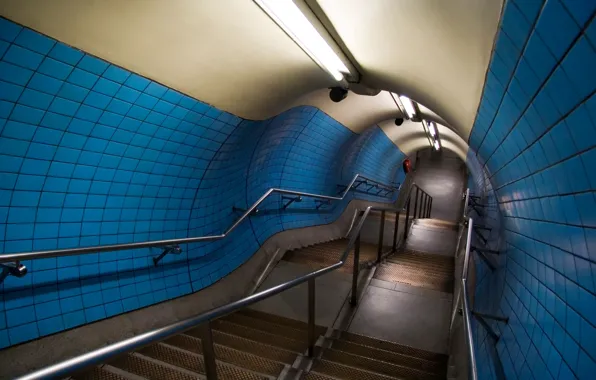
<point x="92" y="154"/>
<point x="535" y="135"/>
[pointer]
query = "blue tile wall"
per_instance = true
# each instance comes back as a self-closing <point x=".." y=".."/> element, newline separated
<point x="534" y="138"/>
<point x="92" y="154"/>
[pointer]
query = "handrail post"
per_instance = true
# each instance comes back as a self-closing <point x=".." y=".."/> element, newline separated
<point x="406" y="226"/>
<point x="208" y="352"/>
<point x="381" y="231"/>
<point x="311" y="317"/>
<point x="395" y="228"/>
<point x="425" y="205"/>
<point x="354" y="299"/>
<point x="430" y="208"/>
<point x="415" y="204"/>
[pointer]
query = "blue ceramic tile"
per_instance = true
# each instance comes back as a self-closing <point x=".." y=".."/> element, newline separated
<point x="93" y="65"/>
<point x="66" y="54"/>
<point x="54" y="68"/>
<point x="23" y="57"/>
<point x="14" y="74"/>
<point x="9" y="30"/>
<point x="34" y="41"/>
<point x="579" y="65"/>
<point x="515" y="24"/>
<point x="556" y="27"/>
<point x="580" y="10"/>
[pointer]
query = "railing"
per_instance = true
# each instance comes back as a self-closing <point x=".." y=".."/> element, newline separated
<point x="127" y="345"/>
<point x="473" y="371"/>
<point x="463" y="298"/>
<point x="15" y="268"/>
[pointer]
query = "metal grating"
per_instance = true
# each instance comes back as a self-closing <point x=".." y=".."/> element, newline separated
<point x="379" y="366"/>
<point x="194" y="362"/>
<point x="252" y="361"/>
<point x="430" y="366"/>
<point x="345" y="372"/>
<point x="247" y="345"/>
<point x="97" y="373"/>
<point x="148" y="369"/>
<point x="391" y="346"/>
<point x="324" y="254"/>
<point x="256" y="335"/>
<point x="419" y="269"/>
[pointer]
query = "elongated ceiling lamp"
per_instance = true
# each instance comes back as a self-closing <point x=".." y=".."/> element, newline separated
<point x="289" y="17"/>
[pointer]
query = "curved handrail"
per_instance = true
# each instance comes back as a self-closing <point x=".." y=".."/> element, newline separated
<point x="21" y="256"/>
<point x="97" y="356"/>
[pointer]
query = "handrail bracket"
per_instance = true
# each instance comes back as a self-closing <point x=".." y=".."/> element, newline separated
<point x="15" y="269"/>
<point x="174" y="249"/>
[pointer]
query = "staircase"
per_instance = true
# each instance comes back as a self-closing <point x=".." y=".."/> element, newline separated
<point x="254" y="345"/>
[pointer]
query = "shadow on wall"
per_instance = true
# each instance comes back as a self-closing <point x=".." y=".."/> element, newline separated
<point x="92" y="154"/>
<point x="535" y="135"/>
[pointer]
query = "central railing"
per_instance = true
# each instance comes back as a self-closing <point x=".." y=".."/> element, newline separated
<point x="422" y="208"/>
<point x="12" y="261"/>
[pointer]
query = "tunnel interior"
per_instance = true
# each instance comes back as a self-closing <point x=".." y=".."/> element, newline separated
<point x="103" y="144"/>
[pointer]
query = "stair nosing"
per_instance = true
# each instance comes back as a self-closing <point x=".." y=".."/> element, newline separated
<point x="355" y="368"/>
<point x="214" y="327"/>
<point x="221" y="362"/>
<point x="166" y="364"/>
<point x="400" y="366"/>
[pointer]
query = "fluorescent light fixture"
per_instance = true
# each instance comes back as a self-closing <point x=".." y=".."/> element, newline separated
<point x="397" y="101"/>
<point x="431" y="129"/>
<point x="289" y="17"/>
<point x="437" y="145"/>
<point x="408" y="105"/>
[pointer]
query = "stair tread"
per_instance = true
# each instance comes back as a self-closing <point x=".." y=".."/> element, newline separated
<point x="251" y="361"/>
<point x="272" y="328"/>
<point x="430" y="366"/>
<point x="151" y="370"/>
<point x="276" y="319"/>
<point x="247" y="345"/>
<point x="195" y="363"/>
<point x="392" y="347"/>
<point x="102" y="373"/>
<point x="378" y="366"/>
<point x="347" y="372"/>
<point x="257" y="335"/>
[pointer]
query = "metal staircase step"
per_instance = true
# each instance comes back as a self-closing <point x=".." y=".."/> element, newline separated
<point x="270" y="327"/>
<point x="255" y="335"/>
<point x="151" y="369"/>
<point x="377" y="366"/>
<point x="345" y="372"/>
<point x="254" y="362"/>
<point x="248" y="345"/>
<point x="194" y="362"/>
<point x="278" y="320"/>
<point x="392" y="347"/>
<point x="433" y="367"/>
<point x="105" y="372"/>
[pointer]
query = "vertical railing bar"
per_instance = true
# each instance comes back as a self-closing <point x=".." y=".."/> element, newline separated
<point x="407" y="219"/>
<point x="311" y="317"/>
<point x="208" y="352"/>
<point x="381" y="231"/>
<point x="354" y="299"/>
<point x="395" y="229"/>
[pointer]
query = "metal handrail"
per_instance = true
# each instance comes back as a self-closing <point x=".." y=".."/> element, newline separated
<point x="14" y="257"/>
<point x="97" y="356"/>
<point x="466" y="307"/>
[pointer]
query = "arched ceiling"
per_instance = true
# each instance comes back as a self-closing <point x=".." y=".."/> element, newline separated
<point x="434" y="51"/>
<point x="411" y="137"/>
<point x="230" y="54"/>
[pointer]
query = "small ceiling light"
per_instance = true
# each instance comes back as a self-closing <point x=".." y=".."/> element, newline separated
<point x="409" y="106"/>
<point x="437" y="145"/>
<point x="289" y="17"/>
<point x="431" y="129"/>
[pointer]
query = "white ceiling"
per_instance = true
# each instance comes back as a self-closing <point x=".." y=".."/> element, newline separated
<point x="434" y="51"/>
<point x="230" y="54"/>
<point x="411" y="137"/>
